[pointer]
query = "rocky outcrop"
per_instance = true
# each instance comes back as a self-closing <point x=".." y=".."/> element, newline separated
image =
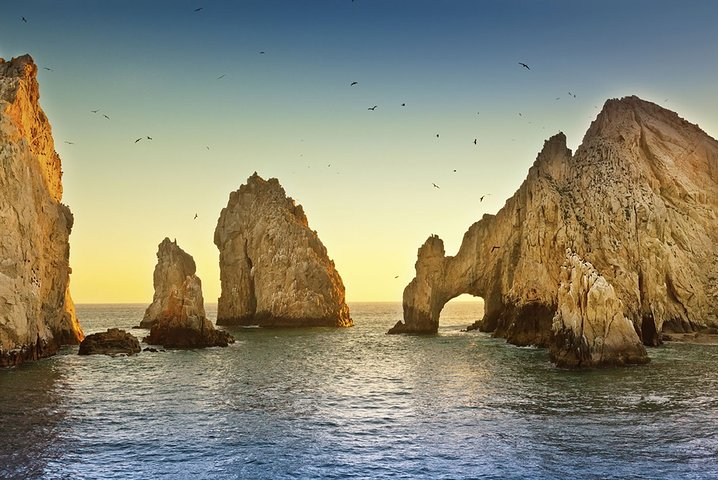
<point x="173" y="267"/>
<point x="112" y="342"/>
<point x="36" y="311"/>
<point x="274" y="270"/>
<point x="590" y="328"/>
<point x="178" y="305"/>
<point x="638" y="200"/>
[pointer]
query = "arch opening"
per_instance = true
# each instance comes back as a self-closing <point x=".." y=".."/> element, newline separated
<point x="461" y="311"/>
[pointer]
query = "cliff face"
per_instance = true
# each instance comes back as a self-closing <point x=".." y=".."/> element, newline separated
<point x="274" y="270"/>
<point x="36" y="311"/>
<point x="177" y="309"/>
<point x="638" y="200"/>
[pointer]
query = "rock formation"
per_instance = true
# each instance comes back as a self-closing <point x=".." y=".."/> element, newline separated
<point x="173" y="267"/>
<point x="274" y="269"/>
<point x="638" y="200"/>
<point x="590" y="328"/>
<point x="36" y="312"/>
<point x="112" y="342"/>
<point x="178" y="306"/>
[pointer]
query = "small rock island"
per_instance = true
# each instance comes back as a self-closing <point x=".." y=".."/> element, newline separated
<point x="274" y="270"/>
<point x="177" y="310"/>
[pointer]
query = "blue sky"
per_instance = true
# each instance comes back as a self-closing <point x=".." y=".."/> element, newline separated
<point x="364" y="177"/>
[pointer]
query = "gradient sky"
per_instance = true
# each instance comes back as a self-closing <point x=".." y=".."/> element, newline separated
<point x="153" y="68"/>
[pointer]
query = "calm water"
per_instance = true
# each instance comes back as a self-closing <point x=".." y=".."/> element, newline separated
<point x="356" y="403"/>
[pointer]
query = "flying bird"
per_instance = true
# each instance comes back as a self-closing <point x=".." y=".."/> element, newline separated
<point x="221" y="76"/>
<point x="396" y="276"/>
<point x="261" y="53"/>
<point x="24" y="19"/>
<point x="437" y="135"/>
<point x="403" y="104"/>
<point x="138" y="139"/>
<point x="524" y="65"/>
<point x="475" y="141"/>
<point x="95" y="111"/>
<point x="198" y="9"/>
<point x="48" y="69"/>
<point x="353" y="83"/>
<point x="372" y="108"/>
<point x="69" y="143"/>
<point x="195" y="217"/>
<point x="481" y="198"/>
<point x="494" y="248"/>
<point x="105" y="116"/>
<point x="207" y="147"/>
<point x="454" y="170"/>
<point x="149" y="138"/>
<point x="435" y="185"/>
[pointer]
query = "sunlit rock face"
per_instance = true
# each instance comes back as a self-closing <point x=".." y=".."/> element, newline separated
<point x="274" y="270"/>
<point x="36" y="311"/>
<point x="638" y="200"/>
<point x="589" y="328"/>
<point x="177" y="309"/>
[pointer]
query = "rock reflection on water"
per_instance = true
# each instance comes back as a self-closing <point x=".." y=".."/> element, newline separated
<point x="356" y="403"/>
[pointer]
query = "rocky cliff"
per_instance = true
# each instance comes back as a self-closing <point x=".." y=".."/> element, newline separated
<point x="638" y="200"/>
<point x="274" y="270"/>
<point x="36" y="311"/>
<point x="177" y="309"/>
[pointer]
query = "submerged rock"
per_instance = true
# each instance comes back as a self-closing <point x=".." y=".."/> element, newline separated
<point x="180" y="321"/>
<point x="112" y="342"/>
<point x="638" y="200"/>
<point x="275" y="272"/>
<point x="36" y="311"/>
<point x="590" y="328"/>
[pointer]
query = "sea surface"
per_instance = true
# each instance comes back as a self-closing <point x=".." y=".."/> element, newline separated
<point x="356" y="403"/>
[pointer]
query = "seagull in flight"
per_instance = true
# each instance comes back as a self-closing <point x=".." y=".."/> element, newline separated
<point x="524" y="65"/>
<point x="481" y="198"/>
<point x="396" y="276"/>
<point x="475" y="141"/>
<point x="138" y="139"/>
<point x="262" y="52"/>
<point x="353" y="83"/>
<point x="195" y="217"/>
<point x="48" y="69"/>
<point x="24" y="19"/>
<point x="105" y="116"/>
<point x="372" y="108"/>
<point x="95" y="111"/>
<point x="198" y="9"/>
<point x="403" y="104"/>
<point x="149" y="138"/>
<point x="435" y="185"/>
<point x="69" y="143"/>
<point x="221" y="76"/>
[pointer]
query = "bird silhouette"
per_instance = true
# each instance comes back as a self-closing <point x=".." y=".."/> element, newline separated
<point x="138" y="139"/>
<point x="481" y="198"/>
<point x="149" y="138"/>
<point x="261" y="53"/>
<point x="353" y="83"/>
<point x="474" y="141"/>
<point x="396" y="276"/>
<point x="95" y="111"/>
<point x="195" y="217"/>
<point x="403" y="104"/>
<point x="435" y="185"/>
<point x="437" y="135"/>
<point x="198" y="9"/>
<point x="221" y="76"/>
<point x="372" y="108"/>
<point x="48" y="69"/>
<point x="24" y="19"/>
<point x="494" y="248"/>
<point x="105" y="116"/>
<point x="69" y="143"/>
<point x="454" y="170"/>
<point x="524" y="65"/>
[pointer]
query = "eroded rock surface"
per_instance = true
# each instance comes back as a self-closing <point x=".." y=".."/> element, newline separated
<point x="36" y="311"/>
<point x="112" y="342"/>
<point x="274" y="269"/>
<point x="638" y="200"/>
<point x="590" y="328"/>
<point x="178" y="305"/>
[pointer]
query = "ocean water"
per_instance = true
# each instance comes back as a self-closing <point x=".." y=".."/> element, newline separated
<point x="356" y="403"/>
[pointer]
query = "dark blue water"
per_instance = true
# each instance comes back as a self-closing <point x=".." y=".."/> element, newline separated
<point x="356" y="403"/>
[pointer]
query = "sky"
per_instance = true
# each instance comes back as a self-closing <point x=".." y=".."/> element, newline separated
<point x="218" y="110"/>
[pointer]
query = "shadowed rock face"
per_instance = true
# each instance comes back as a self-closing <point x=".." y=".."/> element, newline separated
<point x="274" y="270"/>
<point x="638" y="200"/>
<point x="36" y="311"/>
<point x="112" y="342"/>
<point x="178" y="305"/>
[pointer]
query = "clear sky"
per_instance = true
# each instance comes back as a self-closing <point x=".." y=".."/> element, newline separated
<point x="364" y="177"/>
